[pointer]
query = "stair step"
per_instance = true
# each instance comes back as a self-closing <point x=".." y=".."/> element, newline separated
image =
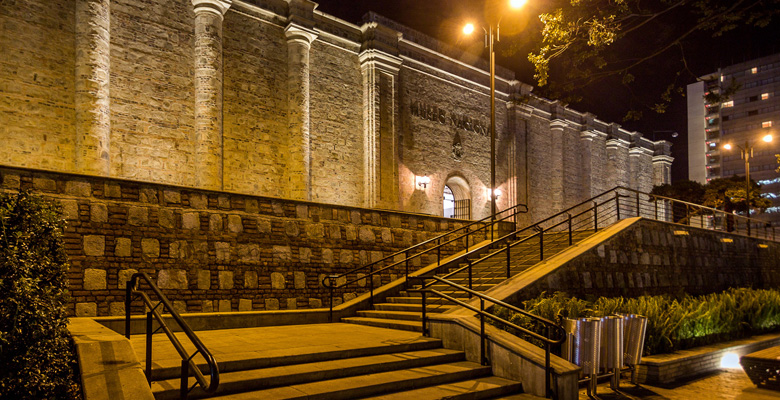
<point x="413" y="326"/>
<point x="257" y="379"/>
<point x="370" y="385"/>
<point x="439" y="307"/>
<point x="400" y="315"/>
<point x="473" y="389"/>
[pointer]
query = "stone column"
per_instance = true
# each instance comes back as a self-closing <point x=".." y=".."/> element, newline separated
<point x="298" y="172"/>
<point x="92" y="101"/>
<point x="662" y="169"/>
<point x="557" y="165"/>
<point x="208" y="92"/>
<point x="380" y="112"/>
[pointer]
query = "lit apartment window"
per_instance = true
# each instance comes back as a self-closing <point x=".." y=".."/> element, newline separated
<point x="766" y="124"/>
<point x="764" y="96"/>
<point x="754" y="70"/>
<point x="722" y="78"/>
<point x="729" y="103"/>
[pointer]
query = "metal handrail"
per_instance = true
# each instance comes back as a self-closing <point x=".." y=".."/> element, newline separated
<point x="187" y="362"/>
<point x="330" y="281"/>
<point x="548" y="339"/>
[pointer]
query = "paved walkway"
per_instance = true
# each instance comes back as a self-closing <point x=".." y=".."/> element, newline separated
<point x="728" y="384"/>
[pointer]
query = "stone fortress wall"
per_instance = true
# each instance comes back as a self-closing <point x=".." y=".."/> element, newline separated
<point x="274" y="98"/>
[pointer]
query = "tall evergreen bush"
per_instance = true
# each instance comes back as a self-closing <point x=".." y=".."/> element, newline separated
<point x="36" y="358"/>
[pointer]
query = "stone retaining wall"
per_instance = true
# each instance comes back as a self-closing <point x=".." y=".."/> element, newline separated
<point x="216" y="251"/>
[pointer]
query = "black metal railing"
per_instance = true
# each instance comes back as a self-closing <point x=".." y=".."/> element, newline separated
<point x="153" y="313"/>
<point x="553" y="333"/>
<point x="456" y="239"/>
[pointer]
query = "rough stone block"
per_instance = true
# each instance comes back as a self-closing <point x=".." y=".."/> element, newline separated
<point x="223" y="202"/>
<point x="351" y="232"/>
<point x="299" y="278"/>
<point x="225" y="306"/>
<point x="98" y="213"/>
<point x="116" y="308"/>
<point x="277" y="280"/>
<point x="179" y="306"/>
<point x="150" y="248"/>
<point x="250" y="280"/>
<point x="302" y="211"/>
<point x="198" y="200"/>
<point x="11" y="181"/>
<point x="271" y="304"/>
<point x="327" y="256"/>
<point x="315" y="303"/>
<point x="94" y="279"/>
<point x="123" y="276"/>
<point x="250" y="206"/>
<point x="361" y="280"/>
<point x="44" y="184"/>
<point x="354" y="217"/>
<point x="282" y="254"/>
<point x="172" y="279"/>
<point x="179" y="249"/>
<point x="112" y="190"/>
<point x="225" y="279"/>
<point x="70" y="209"/>
<point x="94" y="245"/>
<point x="222" y="250"/>
<point x="292" y="304"/>
<point x="244" y="304"/>
<point x="263" y="225"/>
<point x="215" y="222"/>
<point x="138" y="216"/>
<point x="315" y="231"/>
<point x="148" y="195"/>
<point x="204" y="279"/>
<point x="207" y="306"/>
<point x="167" y="219"/>
<point x="387" y="236"/>
<point x="234" y="224"/>
<point x="78" y="188"/>
<point x="345" y="257"/>
<point x="86" y="309"/>
<point x="248" y="253"/>
<point x="190" y="221"/>
<point x="171" y="196"/>
<point x="304" y="255"/>
<point x="334" y="232"/>
<point x="349" y="296"/>
<point x="291" y="229"/>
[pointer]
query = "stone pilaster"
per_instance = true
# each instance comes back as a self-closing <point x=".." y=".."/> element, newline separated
<point x="208" y="92"/>
<point x="380" y="115"/>
<point x="662" y="169"/>
<point x="92" y="101"/>
<point x="298" y="172"/>
<point x="640" y="164"/>
<point x="618" y="169"/>
<point x="557" y="165"/>
<point x="594" y="155"/>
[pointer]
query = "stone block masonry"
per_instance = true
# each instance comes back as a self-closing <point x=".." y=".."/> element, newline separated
<point x="215" y="251"/>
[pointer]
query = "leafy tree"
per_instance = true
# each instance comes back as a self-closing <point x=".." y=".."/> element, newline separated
<point x="729" y="194"/>
<point x="585" y="41"/>
<point x="36" y="360"/>
<point x="690" y="191"/>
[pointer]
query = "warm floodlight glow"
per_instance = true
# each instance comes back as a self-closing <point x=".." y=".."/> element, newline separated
<point x="727" y="146"/>
<point x="468" y="29"/>
<point x="767" y="138"/>
<point x="517" y="3"/>
<point x="730" y="360"/>
<point x="498" y="193"/>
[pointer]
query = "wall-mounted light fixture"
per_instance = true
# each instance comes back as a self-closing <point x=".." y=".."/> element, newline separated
<point x="498" y="193"/>
<point x="422" y="181"/>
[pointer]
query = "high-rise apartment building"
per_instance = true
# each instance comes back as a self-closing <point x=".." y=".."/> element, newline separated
<point x="743" y="120"/>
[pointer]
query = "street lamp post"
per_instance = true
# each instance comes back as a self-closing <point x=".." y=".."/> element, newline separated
<point x="747" y="152"/>
<point x="492" y="36"/>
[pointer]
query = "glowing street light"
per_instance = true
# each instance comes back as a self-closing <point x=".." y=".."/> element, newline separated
<point x="747" y="152"/>
<point x="491" y="36"/>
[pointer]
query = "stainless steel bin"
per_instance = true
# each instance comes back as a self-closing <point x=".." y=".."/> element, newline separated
<point x="612" y="343"/>
<point x="581" y="347"/>
<point x="634" y="338"/>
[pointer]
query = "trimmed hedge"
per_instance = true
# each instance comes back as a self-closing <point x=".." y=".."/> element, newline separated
<point x="36" y="353"/>
<point x="674" y="323"/>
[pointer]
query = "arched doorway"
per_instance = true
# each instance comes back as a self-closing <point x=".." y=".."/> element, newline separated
<point x="456" y="201"/>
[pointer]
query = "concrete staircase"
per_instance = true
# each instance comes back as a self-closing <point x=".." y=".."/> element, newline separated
<point x="328" y="361"/>
<point x="405" y="312"/>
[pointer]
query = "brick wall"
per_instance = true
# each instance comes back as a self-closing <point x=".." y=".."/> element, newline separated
<point x="215" y="251"/>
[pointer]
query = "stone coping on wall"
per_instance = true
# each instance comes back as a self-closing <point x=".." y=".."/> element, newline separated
<point x="665" y="369"/>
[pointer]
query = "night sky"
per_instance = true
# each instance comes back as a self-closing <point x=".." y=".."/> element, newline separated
<point x="609" y="100"/>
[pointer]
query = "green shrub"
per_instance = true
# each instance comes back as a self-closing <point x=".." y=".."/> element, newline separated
<point x="673" y="323"/>
<point x="36" y="358"/>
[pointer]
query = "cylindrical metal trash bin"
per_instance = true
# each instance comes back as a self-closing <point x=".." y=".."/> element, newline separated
<point x="581" y="347"/>
<point x="611" y="342"/>
<point x="634" y="338"/>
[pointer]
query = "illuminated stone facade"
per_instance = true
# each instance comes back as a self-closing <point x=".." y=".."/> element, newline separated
<point x="274" y="98"/>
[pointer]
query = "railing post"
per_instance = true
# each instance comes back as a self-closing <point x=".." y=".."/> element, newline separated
<point x="470" y="278"/>
<point x="547" y="371"/>
<point x="128" y="293"/>
<point x="184" y="373"/>
<point x="331" y="284"/>
<point x="656" y="208"/>
<point x="483" y="357"/>
<point x="424" y="317"/>
<point x="508" y="267"/>
<point x="541" y="245"/>
<point x="571" y="239"/>
<point x="638" y="214"/>
<point x="149" y="347"/>
<point x="595" y="216"/>
<point x="371" y="285"/>
<point x="617" y="204"/>
<point x="438" y="253"/>
<point x="406" y="283"/>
